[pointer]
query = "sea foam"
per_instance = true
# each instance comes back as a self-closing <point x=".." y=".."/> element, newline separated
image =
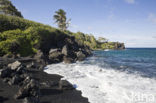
<point x="106" y="85"/>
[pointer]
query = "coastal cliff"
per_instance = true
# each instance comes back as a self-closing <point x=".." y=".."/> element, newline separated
<point x="26" y="47"/>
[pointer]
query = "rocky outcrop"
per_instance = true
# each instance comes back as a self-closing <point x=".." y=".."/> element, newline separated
<point x="55" y="56"/>
<point x="70" y="52"/>
<point x="119" y="46"/>
<point x="80" y="55"/>
<point x="68" y="60"/>
<point x="30" y="89"/>
<point x="15" y="65"/>
<point x="65" y="50"/>
<point x="5" y="73"/>
<point x="16" y="74"/>
<point x="33" y="84"/>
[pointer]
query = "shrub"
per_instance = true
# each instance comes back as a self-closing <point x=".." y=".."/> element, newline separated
<point x="15" y="42"/>
<point x="13" y="23"/>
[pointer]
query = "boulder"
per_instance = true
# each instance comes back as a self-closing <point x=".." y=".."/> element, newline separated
<point x="17" y="56"/>
<point x="87" y="51"/>
<point x="31" y="65"/>
<point x="20" y="70"/>
<point x="5" y="73"/>
<point x="8" y="56"/>
<point x="68" y="59"/>
<point x="80" y="56"/>
<point x="40" y="60"/>
<point x="39" y="55"/>
<point x="22" y="93"/>
<point x="53" y="50"/>
<point x="55" y="56"/>
<point x="5" y="80"/>
<point x="29" y="90"/>
<point x="27" y="79"/>
<point x="14" y="65"/>
<point x="15" y="80"/>
<point x="65" y="85"/>
<point x="65" y="50"/>
<point x="70" y="41"/>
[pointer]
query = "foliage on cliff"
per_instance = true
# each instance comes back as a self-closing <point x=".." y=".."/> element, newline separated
<point x="7" y="8"/>
<point x="25" y="37"/>
<point x="94" y="44"/>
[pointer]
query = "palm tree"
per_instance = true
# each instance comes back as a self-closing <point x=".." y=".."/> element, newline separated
<point x="61" y="20"/>
<point x="7" y="8"/>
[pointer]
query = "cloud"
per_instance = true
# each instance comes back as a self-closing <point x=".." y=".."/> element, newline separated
<point x="130" y="1"/>
<point x="152" y="17"/>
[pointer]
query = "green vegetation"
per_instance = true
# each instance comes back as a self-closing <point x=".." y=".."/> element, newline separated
<point x="25" y="37"/>
<point x="61" y="19"/>
<point x="7" y="8"/>
<point x="12" y="23"/>
<point x="85" y="39"/>
<point x="93" y="43"/>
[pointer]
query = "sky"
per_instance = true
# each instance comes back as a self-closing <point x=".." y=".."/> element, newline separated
<point x="132" y="22"/>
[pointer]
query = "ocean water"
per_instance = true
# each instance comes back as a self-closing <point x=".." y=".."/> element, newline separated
<point x="113" y="76"/>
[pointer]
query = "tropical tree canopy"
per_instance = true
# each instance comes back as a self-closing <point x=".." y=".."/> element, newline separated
<point x="61" y="20"/>
<point x="7" y="8"/>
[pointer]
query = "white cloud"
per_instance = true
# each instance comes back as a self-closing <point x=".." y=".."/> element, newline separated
<point x="152" y="17"/>
<point x="130" y="1"/>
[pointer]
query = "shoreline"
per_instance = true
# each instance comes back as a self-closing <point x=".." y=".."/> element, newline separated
<point x="105" y="84"/>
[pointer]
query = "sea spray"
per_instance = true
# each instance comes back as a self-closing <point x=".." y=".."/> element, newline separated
<point x="115" y="76"/>
<point x="103" y="85"/>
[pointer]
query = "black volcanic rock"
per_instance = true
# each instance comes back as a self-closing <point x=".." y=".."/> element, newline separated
<point x="65" y="85"/>
<point x="80" y="56"/>
<point x="35" y="86"/>
<point x="119" y="46"/>
<point x="65" y="50"/>
<point x="68" y="59"/>
<point x="15" y="80"/>
<point x="5" y="72"/>
<point x="55" y="56"/>
<point x="29" y="90"/>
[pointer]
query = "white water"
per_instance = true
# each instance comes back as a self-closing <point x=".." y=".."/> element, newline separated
<point x="105" y="85"/>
